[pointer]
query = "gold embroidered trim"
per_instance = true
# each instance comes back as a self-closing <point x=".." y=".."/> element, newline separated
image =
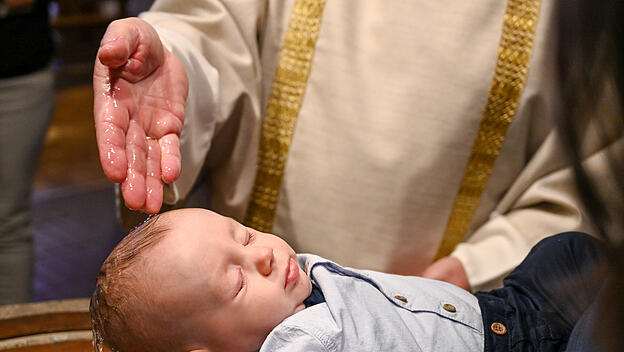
<point x="514" y="54"/>
<point x="289" y="83"/>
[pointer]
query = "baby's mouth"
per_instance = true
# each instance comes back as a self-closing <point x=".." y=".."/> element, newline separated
<point x="292" y="272"/>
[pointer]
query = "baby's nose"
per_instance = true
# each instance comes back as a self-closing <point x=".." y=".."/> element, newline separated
<point x="263" y="259"/>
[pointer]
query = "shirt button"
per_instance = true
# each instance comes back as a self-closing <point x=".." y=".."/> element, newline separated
<point x="401" y="298"/>
<point x="449" y="308"/>
<point x="499" y="328"/>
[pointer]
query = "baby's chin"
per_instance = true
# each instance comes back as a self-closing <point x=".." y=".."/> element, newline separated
<point x="305" y="288"/>
<point x="306" y="282"/>
<point x="299" y="308"/>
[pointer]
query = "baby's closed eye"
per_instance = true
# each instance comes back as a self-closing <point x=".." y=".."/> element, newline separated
<point x="250" y="238"/>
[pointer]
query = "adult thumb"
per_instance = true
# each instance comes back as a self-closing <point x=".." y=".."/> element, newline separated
<point x="132" y="47"/>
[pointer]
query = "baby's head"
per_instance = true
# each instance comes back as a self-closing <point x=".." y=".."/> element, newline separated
<point x="192" y="280"/>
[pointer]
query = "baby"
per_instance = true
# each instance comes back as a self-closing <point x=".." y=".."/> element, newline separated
<point x="192" y="280"/>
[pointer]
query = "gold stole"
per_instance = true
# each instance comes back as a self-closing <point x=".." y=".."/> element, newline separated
<point x="289" y="84"/>
<point x="512" y="66"/>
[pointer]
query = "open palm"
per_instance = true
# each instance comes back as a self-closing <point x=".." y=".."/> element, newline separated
<point x="140" y="90"/>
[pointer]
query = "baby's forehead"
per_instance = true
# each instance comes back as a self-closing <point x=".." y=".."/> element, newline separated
<point x="194" y="271"/>
<point x="198" y="219"/>
<point x="197" y="237"/>
<point x="190" y="239"/>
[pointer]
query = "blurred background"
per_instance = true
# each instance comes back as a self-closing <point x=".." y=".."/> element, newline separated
<point x="74" y="218"/>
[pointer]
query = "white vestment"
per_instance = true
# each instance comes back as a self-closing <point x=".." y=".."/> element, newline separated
<point x="391" y="109"/>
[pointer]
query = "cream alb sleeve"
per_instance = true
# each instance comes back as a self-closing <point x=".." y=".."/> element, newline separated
<point x="543" y="201"/>
<point x="217" y="44"/>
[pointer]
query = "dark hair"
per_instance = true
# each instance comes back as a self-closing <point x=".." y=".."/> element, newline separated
<point x="117" y="304"/>
<point x="591" y="72"/>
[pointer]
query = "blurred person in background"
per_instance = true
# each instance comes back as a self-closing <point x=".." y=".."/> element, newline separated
<point x="591" y="72"/>
<point x="26" y="104"/>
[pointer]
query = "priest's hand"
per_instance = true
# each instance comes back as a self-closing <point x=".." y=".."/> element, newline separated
<point x="448" y="269"/>
<point x="140" y="90"/>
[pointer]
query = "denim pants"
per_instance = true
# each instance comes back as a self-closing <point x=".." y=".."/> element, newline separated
<point x="26" y="104"/>
<point x="545" y="296"/>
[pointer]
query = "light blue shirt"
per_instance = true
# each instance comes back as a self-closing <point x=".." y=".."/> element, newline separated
<point x="372" y="311"/>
